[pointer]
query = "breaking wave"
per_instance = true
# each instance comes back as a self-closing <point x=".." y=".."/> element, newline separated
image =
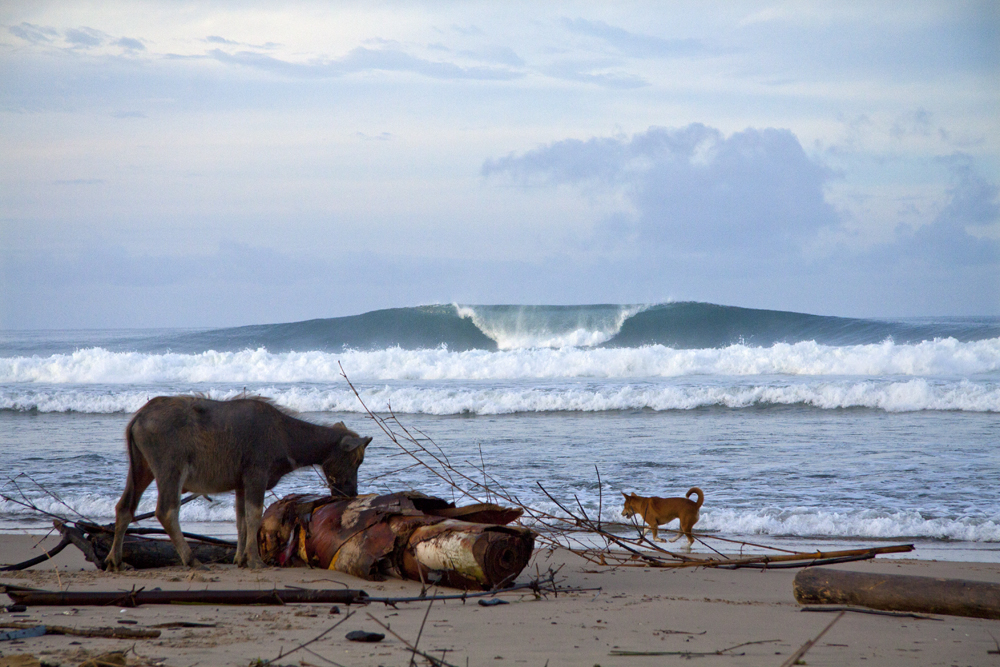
<point x="942" y="357"/>
<point x="459" y="328"/>
<point x="888" y="395"/>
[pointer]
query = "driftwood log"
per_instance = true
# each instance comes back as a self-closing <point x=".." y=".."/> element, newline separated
<point x="141" y="552"/>
<point x="893" y="592"/>
<point x="406" y="535"/>
<point x="111" y="633"/>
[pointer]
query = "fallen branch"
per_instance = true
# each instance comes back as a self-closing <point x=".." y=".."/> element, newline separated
<point x="866" y="610"/>
<point x="135" y="598"/>
<point x="65" y="542"/>
<point x="112" y="633"/>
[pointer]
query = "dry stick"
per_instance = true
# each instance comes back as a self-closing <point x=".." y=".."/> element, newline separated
<point x="49" y="493"/>
<point x="867" y="610"/>
<point x="111" y="633"/>
<point x="392" y="472"/>
<point x="434" y="661"/>
<point x="150" y="515"/>
<point x="600" y="497"/>
<point x="382" y="424"/>
<point x="694" y="654"/>
<point x="413" y="654"/>
<point x="445" y="464"/>
<point x="38" y="559"/>
<point x="482" y="462"/>
<point x="809" y="644"/>
<point x="282" y="654"/>
<point x="324" y="659"/>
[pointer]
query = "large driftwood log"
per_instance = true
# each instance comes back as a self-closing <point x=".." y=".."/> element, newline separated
<point x="407" y="535"/>
<point x="140" y="552"/>
<point x="894" y="592"/>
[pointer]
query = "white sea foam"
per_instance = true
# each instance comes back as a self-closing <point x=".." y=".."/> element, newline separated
<point x="809" y="522"/>
<point x="944" y="357"/>
<point x="539" y="327"/>
<point x="800" y="522"/>
<point x="890" y="396"/>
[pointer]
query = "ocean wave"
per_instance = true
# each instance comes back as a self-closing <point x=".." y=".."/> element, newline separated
<point x="870" y="524"/>
<point x="680" y="326"/>
<point x="800" y="522"/>
<point x="524" y="327"/>
<point x="944" y="357"/>
<point x="889" y="396"/>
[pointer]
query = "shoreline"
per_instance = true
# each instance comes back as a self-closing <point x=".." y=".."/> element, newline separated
<point x="696" y="610"/>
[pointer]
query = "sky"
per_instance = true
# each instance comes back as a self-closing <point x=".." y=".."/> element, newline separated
<point x="211" y="164"/>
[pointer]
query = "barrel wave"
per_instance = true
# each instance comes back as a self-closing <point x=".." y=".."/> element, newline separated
<point x="459" y="328"/>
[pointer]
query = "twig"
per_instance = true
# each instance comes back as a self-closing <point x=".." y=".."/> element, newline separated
<point x="809" y="644"/>
<point x="695" y="654"/>
<point x="867" y="610"/>
<point x="65" y="542"/>
<point x="600" y="497"/>
<point x="420" y="632"/>
<point x="282" y="654"/>
<point x="436" y="662"/>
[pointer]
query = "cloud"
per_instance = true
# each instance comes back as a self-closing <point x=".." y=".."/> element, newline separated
<point x="503" y="55"/>
<point x="972" y="203"/>
<point x="130" y="44"/>
<point x="85" y="37"/>
<point x="363" y="59"/>
<point x="382" y="136"/>
<point x="693" y="189"/>
<point x="633" y="44"/>
<point x="36" y="34"/>
<point x="594" y="74"/>
<point x="216" y="39"/>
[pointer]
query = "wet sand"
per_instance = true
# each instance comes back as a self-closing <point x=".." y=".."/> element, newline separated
<point x="750" y="617"/>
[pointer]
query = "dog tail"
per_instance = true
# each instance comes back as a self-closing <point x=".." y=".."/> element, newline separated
<point x="701" y="496"/>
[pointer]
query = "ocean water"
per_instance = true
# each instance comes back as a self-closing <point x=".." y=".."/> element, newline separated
<point x="803" y="431"/>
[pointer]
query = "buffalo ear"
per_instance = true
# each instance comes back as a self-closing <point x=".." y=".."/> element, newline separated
<point x="350" y="442"/>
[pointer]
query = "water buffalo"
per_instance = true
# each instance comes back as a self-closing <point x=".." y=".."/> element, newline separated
<point x="190" y="443"/>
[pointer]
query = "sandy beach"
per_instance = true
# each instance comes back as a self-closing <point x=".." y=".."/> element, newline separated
<point x="748" y="616"/>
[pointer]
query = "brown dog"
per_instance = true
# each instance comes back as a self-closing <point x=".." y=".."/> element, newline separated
<point x="657" y="511"/>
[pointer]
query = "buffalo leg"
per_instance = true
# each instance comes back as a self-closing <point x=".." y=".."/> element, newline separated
<point x="253" y="508"/>
<point x="241" y="529"/>
<point x="168" y="507"/>
<point x="138" y="480"/>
